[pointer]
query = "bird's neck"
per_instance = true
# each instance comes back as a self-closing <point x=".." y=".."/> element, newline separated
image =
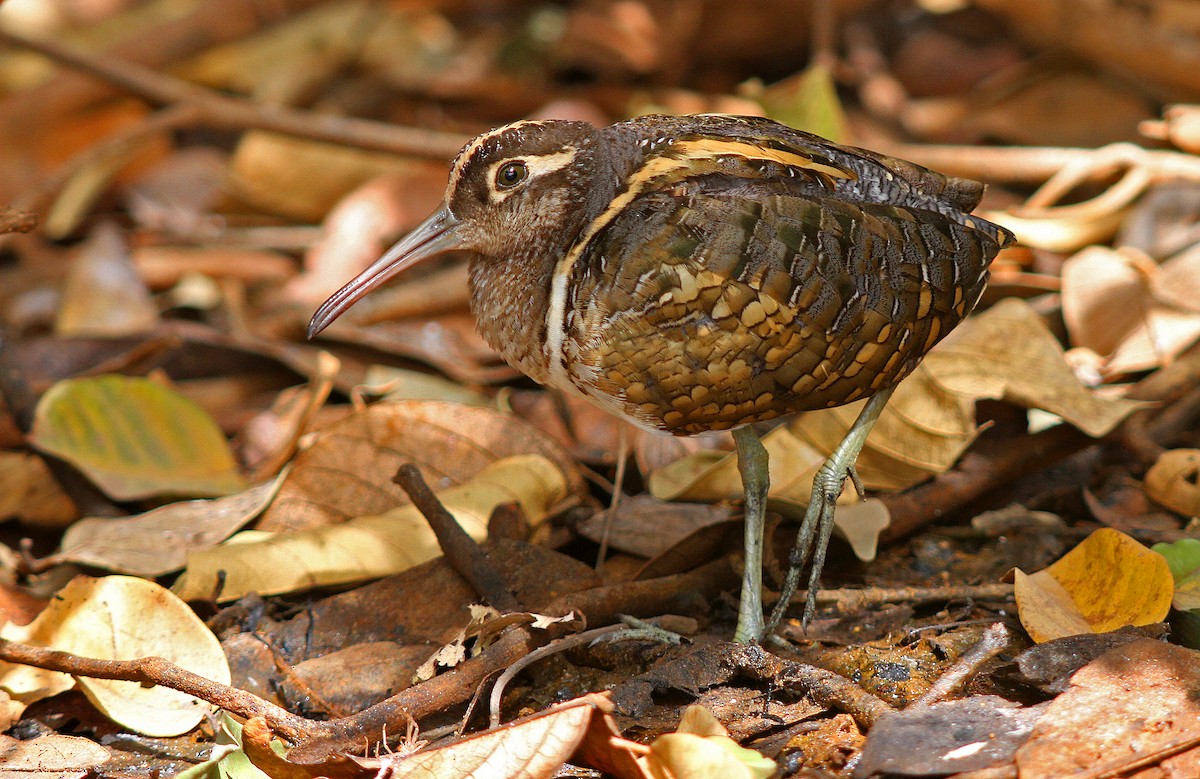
<point x="509" y="298"/>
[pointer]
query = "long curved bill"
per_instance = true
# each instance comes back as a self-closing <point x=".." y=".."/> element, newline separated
<point x="435" y="235"/>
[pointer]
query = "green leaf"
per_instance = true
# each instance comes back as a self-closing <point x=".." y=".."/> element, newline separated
<point x="135" y="438"/>
<point x="1183" y="556"/>
<point x="807" y="101"/>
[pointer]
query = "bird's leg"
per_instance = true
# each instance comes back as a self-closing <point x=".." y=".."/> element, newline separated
<point x="756" y="479"/>
<point x="818" y="519"/>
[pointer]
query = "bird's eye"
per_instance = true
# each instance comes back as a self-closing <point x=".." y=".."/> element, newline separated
<point x="511" y="175"/>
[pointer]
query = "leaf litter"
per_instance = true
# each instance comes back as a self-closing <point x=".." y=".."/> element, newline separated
<point x="154" y="358"/>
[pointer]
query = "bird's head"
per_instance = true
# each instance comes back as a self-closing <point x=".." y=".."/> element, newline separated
<point x="520" y="191"/>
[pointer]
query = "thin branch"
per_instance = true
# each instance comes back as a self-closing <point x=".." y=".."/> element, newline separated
<point x="461" y="551"/>
<point x="223" y="111"/>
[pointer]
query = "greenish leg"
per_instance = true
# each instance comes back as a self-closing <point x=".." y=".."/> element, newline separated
<point x="756" y="479"/>
<point x="818" y="519"/>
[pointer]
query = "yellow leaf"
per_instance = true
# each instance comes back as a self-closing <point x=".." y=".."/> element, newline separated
<point x="702" y="749"/>
<point x="1106" y="582"/>
<point x="135" y="438"/>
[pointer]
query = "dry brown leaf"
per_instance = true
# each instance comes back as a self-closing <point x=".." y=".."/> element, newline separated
<point x="347" y="471"/>
<point x="1106" y="582"/>
<point x="368" y="546"/>
<point x="1008" y="353"/>
<point x="1174" y="481"/>
<point x="271" y="437"/>
<point x="158" y="542"/>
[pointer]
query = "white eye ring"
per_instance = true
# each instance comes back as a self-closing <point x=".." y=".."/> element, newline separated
<point x="511" y="174"/>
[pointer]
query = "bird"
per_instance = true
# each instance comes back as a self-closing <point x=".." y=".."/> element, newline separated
<point x="708" y="272"/>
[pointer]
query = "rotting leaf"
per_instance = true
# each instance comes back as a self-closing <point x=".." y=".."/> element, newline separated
<point x="120" y="618"/>
<point x="368" y="546"/>
<point x="1106" y="582"/>
<point x="1131" y="708"/>
<point x="158" y="541"/>
<point x="1174" y="481"/>
<point x="135" y="438"/>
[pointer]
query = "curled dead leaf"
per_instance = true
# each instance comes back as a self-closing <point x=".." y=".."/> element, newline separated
<point x="1174" y="481"/>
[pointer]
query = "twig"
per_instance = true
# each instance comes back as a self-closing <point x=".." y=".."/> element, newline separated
<point x="993" y="465"/>
<point x="461" y="551"/>
<point x="156" y="670"/>
<point x="849" y="600"/>
<point x="994" y="639"/>
<point x="562" y="645"/>
<point x="222" y="111"/>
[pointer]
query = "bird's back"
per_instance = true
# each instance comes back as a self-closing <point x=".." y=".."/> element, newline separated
<point x="748" y="271"/>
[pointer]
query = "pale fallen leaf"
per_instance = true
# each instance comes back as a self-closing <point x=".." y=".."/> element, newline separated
<point x="50" y="755"/>
<point x="368" y="546"/>
<point x="1008" y="353"/>
<point x="1174" y="481"/>
<point x="158" y="541"/>
<point x="532" y="748"/>
<point x="347" y="471"/>
<point x="120" y="618"/>
<point x="1106" y="582"/>
<point x="359" y="230"/>
<point x="30" y="493"/>
<point x="135" y="438"/>
<point x="1135" y="313"/>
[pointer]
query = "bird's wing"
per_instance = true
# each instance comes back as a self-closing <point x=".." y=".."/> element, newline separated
<point x="777" y="285"/>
